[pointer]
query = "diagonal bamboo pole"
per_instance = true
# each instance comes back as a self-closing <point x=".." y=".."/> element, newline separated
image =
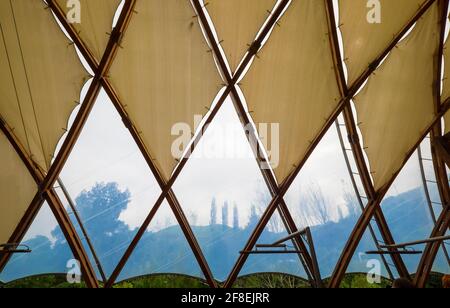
<point x="357" y="151"/>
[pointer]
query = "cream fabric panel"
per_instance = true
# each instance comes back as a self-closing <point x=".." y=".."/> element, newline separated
<point x="293" y="82"/>
<point x="17" y="189"/>
<point x="164" y="74"/>
<point x="397" y="105"/>
<point x="55" y="76"/>
<point x="96" y="21"/>
<point x="447" y="123"/>
<point x="237" y="22"/>
<point x="446" y="84"/>
<point x="364" y="41"/>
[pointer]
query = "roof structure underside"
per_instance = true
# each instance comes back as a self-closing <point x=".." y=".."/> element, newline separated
<point x="299" y="63"/>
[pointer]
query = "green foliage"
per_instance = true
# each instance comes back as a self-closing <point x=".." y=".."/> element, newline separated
<point x="43" y="282"/>
<point x="162" y="281"/>
<point x="359" y="281"/>
<point x="259" y="281"/>
<point x="271" y="281"/>
<point x="434" y="281"/>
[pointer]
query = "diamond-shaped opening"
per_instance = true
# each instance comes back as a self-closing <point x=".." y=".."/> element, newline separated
<point x="347" y="147"/>
<point x="222" y="191"/>
<point x="50" y="252"/>
<point x="110" y="182"/>
<point x="322" y="197"/>
<point x="441" y="267"/>
<point x="162" y="250"/>
<point x="407" y="211"/>
<point x="430" y="176"/>
<point x="442" y="263"/>
<point x="367" y="271"/>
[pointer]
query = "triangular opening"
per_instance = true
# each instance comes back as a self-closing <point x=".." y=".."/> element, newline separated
<point x="407" y="211"/>
<point x="367" y="271"/>
<point x="429" y="176"/>
<point x="162" y="250"/>
<point x="441" y="264"/>
<point x="323" y="198"/>
<point x="110" y="183"/>
<point x="50" y="252"/>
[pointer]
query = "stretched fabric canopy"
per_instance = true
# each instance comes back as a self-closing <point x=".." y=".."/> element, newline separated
<point x="397" y="104"/>
<point x="41" y="77"/>
<point x="164" y="74"/>
<point x="237" y="22"/>
<point x="446" y="85"/>
<point x="447" y="123"/>
<point x="293" y="82"/>
<point x="17" y="189"/>
<point x="363" y="40"/>
<point x="96" y="21"/>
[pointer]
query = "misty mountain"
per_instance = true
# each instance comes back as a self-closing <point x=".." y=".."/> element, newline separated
<point x="167" y="250"/>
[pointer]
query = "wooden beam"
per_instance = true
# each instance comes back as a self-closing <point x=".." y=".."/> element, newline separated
<point x="355" y="143"/>
<point x="174" y="204"/>
<point x="73" y="208"/>
<point x="375" y="197"/>
<point x="56" y="207"/>
<point x="370" y="210"/>
<point x="431" y="249"/>
<point x="167" y="194"/>
<point x="359" y="197"/>
<point x="442" y="149"/>
<point x="94" y="89"/>
<point x="47" y="182"/>
<point x="428" y="198"/>
<point x="252" y="134"/>
<point x="440" y="156"/>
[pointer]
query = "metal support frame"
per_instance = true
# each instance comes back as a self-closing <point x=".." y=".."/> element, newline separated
<point x="355" y="143"/>
<point x="439" y="160"/>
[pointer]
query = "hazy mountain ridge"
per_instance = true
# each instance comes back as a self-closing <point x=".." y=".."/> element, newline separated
<point x="167" y="250"/>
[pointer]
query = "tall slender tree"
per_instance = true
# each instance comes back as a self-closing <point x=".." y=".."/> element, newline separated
<point x="225" y="213"/>
<point x="235" y="216"/>
<point x="254" y="218"/>
<point x="213" y="215"/>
